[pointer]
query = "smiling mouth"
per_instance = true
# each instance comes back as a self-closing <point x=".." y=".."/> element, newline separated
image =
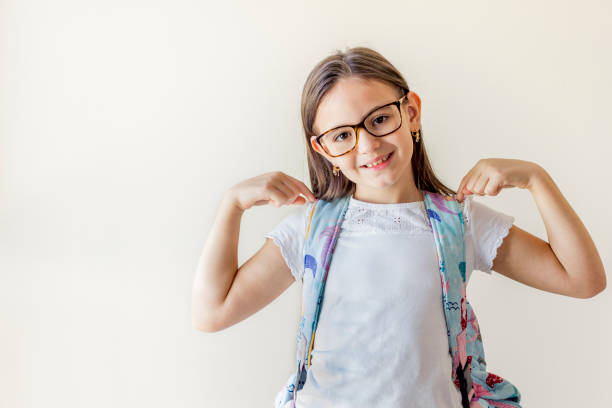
<point x="384" y="159"/>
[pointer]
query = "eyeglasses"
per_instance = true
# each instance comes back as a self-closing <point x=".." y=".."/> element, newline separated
<point x="379" y="122"/>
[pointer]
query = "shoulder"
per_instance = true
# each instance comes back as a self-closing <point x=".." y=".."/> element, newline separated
<point x="289" y="233"/>
<point x="294" y="222"/>
<point x="482" y="217"/>
<point x="487" y="227"/>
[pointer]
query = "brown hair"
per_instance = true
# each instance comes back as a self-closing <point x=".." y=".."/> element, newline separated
<point x="366" y="63"/>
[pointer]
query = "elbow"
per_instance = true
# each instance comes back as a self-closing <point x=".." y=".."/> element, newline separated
<point x="203" y="322"/>
<point x="204" y="316"/>
<point x="204" y="327"/>
<point x="592" y="294"/>
<point x="602" y="284"/>
<point x="594" y="290"/>
<point x="601" y="287"/>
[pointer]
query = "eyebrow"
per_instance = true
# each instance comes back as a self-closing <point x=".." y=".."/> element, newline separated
<point x="362" y="118"/>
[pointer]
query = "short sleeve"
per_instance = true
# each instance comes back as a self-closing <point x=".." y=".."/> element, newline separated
<point x="288" y="235"/>
<point x="488" y="229"/>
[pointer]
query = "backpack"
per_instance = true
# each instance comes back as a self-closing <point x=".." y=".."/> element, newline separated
<point x="478" y="387"/>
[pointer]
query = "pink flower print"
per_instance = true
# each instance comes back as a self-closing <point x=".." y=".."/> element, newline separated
<point x="327" y="233"/>
<point x="493" y="379"/>
<point x="463" y="315"/>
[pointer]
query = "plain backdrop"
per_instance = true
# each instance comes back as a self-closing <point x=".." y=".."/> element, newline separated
<point x="123" y="122"/>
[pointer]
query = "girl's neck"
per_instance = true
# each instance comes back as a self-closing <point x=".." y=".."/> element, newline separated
<point x="376" y="197"/>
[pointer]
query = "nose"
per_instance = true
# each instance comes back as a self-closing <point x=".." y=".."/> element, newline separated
<point x="366" y="141"/>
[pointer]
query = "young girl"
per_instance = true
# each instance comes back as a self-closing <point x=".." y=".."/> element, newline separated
<point x="381" y="337"/>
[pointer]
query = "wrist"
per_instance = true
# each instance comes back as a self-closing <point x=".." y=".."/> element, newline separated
<point x="230" y="200"/>
<point x="538" y="177"/>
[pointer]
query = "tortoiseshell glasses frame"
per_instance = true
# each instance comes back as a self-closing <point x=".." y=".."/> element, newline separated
<point x="361" y="124"/>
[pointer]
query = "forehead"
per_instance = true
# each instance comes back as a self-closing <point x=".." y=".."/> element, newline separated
<point x="349" y="100"/>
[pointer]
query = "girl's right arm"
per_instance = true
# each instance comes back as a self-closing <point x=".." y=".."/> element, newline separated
<point x="224" y="294"/>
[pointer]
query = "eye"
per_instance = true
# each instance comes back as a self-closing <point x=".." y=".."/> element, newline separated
<point x="336" y="138"/>
<point x="377" y="122"/>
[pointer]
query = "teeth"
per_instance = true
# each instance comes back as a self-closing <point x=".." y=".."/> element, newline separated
<point x="378" y="162"/>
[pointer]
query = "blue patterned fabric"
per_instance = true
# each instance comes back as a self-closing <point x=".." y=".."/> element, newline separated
<point x="479" y="388"/>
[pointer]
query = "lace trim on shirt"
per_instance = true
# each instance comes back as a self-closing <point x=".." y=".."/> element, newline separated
<point x="368" y="218"/>
<point x="296" y="271"/>
<point x="504" y="230"/>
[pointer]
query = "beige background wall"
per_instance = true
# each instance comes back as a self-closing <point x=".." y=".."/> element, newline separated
<point x="123" y="122"/>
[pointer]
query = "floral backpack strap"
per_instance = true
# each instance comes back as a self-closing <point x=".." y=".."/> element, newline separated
<point x="319" y="242"/>
<point x="478" y="387"/>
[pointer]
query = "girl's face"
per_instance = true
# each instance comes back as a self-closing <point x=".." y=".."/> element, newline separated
<point x="347" y="103"/>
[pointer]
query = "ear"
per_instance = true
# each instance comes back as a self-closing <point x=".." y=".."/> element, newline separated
<point x="315" y="146"/>
<point x="416" y="97"/>
<point x="319" y="149"/>
<point x="413" y="108"/>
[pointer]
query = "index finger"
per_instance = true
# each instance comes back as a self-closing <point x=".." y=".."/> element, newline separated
<point x="302" y="187"/>
<point x="464" y="181"/>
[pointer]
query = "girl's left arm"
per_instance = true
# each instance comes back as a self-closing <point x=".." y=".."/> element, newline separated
<point x="568" y="263"/>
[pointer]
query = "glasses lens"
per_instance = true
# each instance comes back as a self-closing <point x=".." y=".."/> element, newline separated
<point x="339" y="141"/>
<point x="383" y="121"/>
<point x="379" y="123"/>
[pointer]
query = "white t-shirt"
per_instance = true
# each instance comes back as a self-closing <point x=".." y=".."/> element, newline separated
<point x="381" y="339"/>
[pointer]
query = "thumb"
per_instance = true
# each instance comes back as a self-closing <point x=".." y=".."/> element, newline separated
<point x="299" y="200"/>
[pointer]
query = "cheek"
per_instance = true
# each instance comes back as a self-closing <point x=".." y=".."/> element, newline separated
<point x="344" y="164"/>
<point x="352" y="166"/>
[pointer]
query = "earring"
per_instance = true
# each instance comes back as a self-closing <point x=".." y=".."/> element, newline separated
<point x="418" y="134"/>
<point x="336" y="170"/>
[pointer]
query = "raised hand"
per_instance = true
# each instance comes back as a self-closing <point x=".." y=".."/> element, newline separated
<point x="490" y="176"/>
<point x="274" y="188"/>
